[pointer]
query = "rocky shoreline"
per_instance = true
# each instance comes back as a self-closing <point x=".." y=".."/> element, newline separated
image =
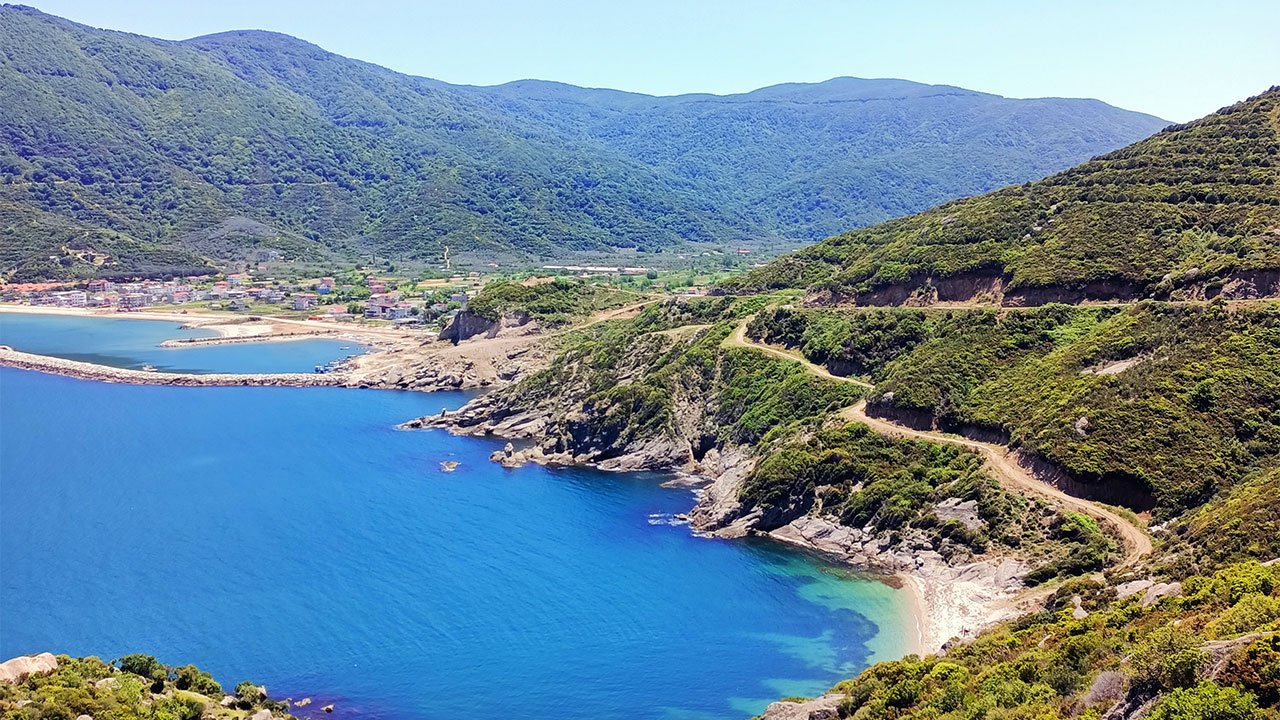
<point x="949" y="598"/>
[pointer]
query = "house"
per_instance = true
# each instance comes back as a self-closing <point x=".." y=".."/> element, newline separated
<point x="376" y="306"/>
<point x="399" y="311"/>
<point x="97" y="286"/>
<point x="133" y="300"/>
<point x="304" y="301"/>
<point x="70" y="298"/>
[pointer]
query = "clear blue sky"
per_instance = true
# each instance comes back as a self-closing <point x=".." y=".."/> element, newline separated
<point x="1178" y="59"/>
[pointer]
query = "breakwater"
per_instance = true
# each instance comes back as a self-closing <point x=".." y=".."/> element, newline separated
<point x="89" y="371"/>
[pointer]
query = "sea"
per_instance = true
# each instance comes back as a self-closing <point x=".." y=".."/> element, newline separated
<point x="296" y="538"/>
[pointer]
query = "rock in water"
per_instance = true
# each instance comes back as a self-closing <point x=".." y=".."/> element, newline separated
<point x="20" y="668"/>
<point x="328" y="708"/>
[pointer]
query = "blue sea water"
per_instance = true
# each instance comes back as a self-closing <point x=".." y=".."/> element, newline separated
<point x="294" y="537"/>
<point x="131" y="343"/>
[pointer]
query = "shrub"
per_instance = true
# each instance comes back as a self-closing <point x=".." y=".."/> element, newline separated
<point x="190" y="677"/>
<point x="1256" y="668"/>
<point x="147" y="667"/>
<point x="1251" y="613"/>
<point x="1206" y="701"/>
<point x="1168" y="658"/>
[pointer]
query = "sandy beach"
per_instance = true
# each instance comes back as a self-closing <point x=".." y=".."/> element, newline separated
<point x="233" y="327"/>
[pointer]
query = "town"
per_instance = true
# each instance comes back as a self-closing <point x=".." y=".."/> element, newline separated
<point x="397" y="302"/>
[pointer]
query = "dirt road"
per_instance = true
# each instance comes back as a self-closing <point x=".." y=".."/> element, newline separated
<point x="998" y="458"/>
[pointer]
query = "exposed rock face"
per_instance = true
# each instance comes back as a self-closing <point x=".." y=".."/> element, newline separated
<point x="434" y="365"/>
<point x="964" y="512"/>
<point x="823" y="708"/>
<point x="466" y="325"/>
<point x="991" y="285"/>
<point x="16" y="670"/>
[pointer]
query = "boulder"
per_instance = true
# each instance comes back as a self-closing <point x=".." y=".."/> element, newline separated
<point x="823" y="708"/>
<point x="261" y="715"/>
<point x="1133" y="587"/>
<point x="18" y="669"/>
<point x="1160" y="591"/>
<point x="1078" y="612"/>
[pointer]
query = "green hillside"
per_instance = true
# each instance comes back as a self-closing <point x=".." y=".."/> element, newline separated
<point x="186" y="144"/>
<point x="1193" y="211"/>
<point x="1151" y="405"/>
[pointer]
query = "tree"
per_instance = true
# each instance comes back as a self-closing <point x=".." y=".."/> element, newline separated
<point x="145" y="666"/>
<point x="249" y="694"/>
<point x="190" y="677"/>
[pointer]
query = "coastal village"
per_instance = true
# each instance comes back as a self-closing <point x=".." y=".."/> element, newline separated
<point x="394" y="302"/>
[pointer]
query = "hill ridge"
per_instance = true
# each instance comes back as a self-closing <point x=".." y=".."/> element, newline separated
<point x="1193" y="212"/>
<point x="121" y="146"/>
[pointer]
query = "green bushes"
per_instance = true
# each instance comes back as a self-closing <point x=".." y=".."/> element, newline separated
<point x="887" y="486"/>
<point x="140" y="688"/>
<point x="1206" y="701"/>
<point x="552" y="303"/>
<point x="1150" y="404"/>
<point x="1054" y="665"/>
<point x="1168" y="658"/>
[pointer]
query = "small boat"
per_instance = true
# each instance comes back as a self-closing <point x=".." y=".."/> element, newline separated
<point x="149" y="368"/>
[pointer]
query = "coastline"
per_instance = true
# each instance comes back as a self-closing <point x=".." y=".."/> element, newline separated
<point x="928" y="616"/>
<point x="922" y="614"/>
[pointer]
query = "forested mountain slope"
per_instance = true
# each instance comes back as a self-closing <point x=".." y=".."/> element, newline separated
<point x="1192" y="212"/>
<point x="249" y="140"/>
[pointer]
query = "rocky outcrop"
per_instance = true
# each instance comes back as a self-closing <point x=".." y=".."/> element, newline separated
<point x="16" y="670"/>
<point x="432" y="365"/>
<point x="467" y="325"/>
<point x="991" y="285"/>
<point x="823" y="708"/>
<point x="958" y="595"/>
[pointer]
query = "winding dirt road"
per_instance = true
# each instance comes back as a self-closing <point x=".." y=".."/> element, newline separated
<point x="998" y="458"/>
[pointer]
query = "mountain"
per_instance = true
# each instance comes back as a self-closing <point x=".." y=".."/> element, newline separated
<point x="1083" y="495"/>
<point x="244" y="141"/>
<point x="1193" y="211"/>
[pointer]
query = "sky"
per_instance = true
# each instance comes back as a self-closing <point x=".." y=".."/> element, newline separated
<point x="1177" y="59"/>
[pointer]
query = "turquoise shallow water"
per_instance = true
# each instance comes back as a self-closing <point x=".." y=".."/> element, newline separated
<point x="129" y="343"/>
<point x="293" y="536"/>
